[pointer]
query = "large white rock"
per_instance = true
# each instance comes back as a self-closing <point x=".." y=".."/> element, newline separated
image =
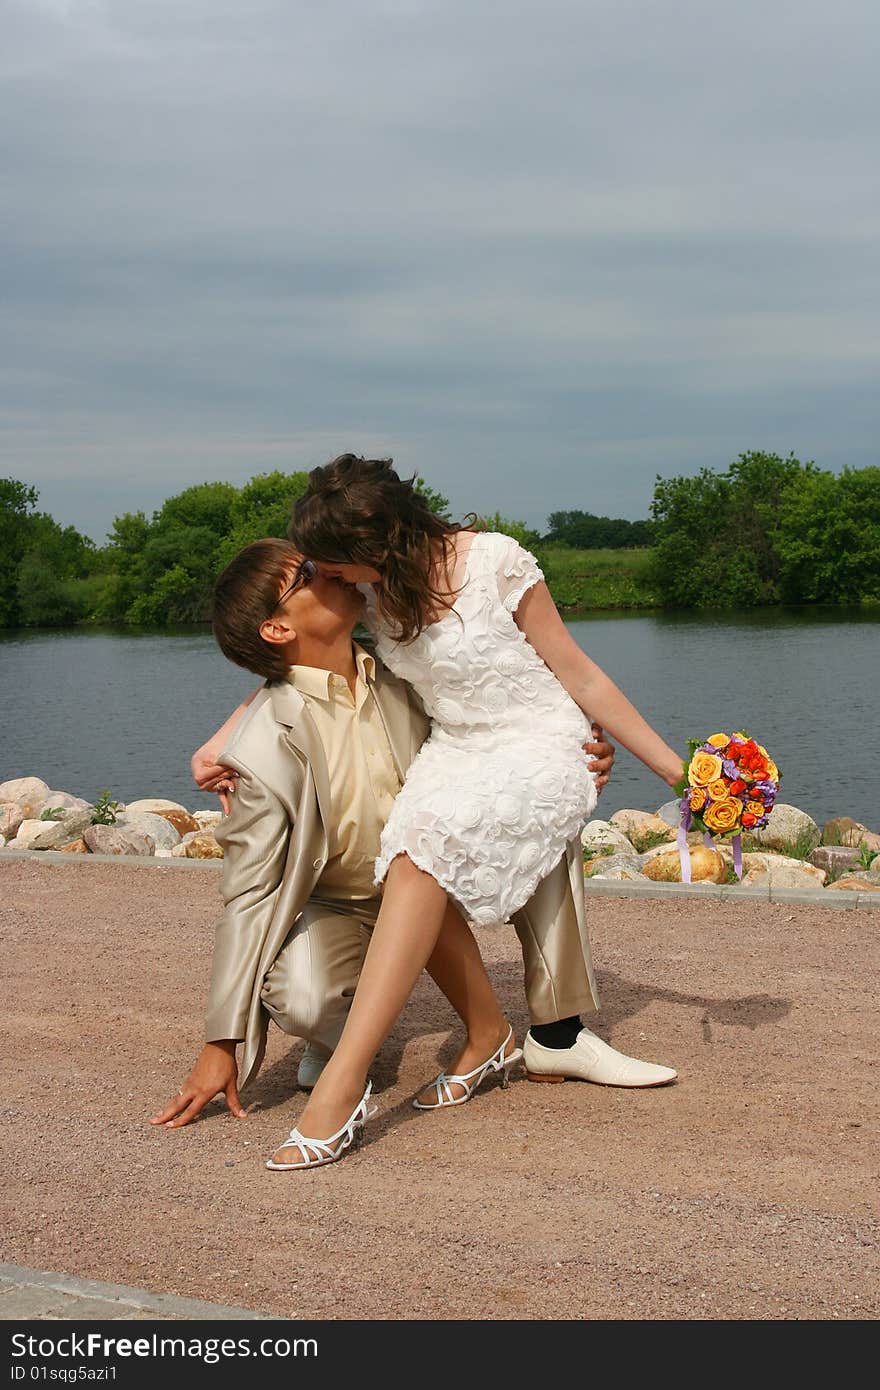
<point x="620" y="870"/>
<point x="26" y="832"/>
<point x="52" y="834"/>
<point x="791" y="874"/>
<point x="207" y="819"/>
<point x="161" y="831"/>
<point x="597" y="834"/>
<point x="65" y="801"/>
<point x="115" y="839"/>
<point x="28" y="793"/>
<point x="638" y="823"/>
<point x="152" y="803"/>
<point x="759" y="859"/>
<point x="11" y="817"/>
<point x="788" y="825"/>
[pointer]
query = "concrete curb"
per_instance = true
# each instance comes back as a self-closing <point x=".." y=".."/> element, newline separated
<point x="39" y="1294"/>
<point x="730" y="892"/>
<point x="593" y="887"/>
<point x="133" y="861"/>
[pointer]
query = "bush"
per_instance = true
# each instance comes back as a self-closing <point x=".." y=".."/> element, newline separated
<point x="828" y="538"/>
<point x="717" y="533"/>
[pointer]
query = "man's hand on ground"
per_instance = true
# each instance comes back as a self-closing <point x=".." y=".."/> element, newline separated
<point x="601" y="755"/>
<point x="215" y="1071"/>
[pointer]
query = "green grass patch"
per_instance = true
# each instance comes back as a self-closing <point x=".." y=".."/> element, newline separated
<point x="598" y="578"/>
<point x="644" y="840"/>
<point x="603" y="852"/>
<point x="801" y="847"/>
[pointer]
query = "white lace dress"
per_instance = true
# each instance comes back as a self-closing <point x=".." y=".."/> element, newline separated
<point x="501" y="784"/>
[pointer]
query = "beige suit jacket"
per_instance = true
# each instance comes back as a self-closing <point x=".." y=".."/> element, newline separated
<point x="276" y="845"/>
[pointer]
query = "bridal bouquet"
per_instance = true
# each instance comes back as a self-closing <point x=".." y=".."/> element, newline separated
<point x="730" y="783"/>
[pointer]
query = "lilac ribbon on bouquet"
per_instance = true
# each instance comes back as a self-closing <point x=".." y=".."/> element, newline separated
<point x="684" y="852"/>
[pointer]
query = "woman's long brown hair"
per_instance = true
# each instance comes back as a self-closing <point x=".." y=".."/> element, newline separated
<point x="358" y="511"/>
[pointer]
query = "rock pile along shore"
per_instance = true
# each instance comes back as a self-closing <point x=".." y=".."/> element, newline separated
<point x="792" y="851"/>
<point x="34" y="817"/>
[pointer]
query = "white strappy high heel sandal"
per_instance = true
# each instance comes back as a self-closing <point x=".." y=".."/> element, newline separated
<point x="316" y="1152"/>
<point x="470" y="1080"/>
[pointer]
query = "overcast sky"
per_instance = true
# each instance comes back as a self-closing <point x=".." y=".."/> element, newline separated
<point x="538" y="252"/>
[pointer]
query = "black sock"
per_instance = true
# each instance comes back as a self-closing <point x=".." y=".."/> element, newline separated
<point x="557" y="1035"/>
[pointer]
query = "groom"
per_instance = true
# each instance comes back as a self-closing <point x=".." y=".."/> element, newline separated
<point x="319" y="757"/>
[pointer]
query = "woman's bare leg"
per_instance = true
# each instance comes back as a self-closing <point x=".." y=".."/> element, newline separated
<point x="457" y="968"/>
<point x="406" y="931"/>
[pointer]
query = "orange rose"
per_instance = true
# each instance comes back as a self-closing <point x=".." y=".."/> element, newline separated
<point x="718" y="740"/>
<point x="698" y="798"/>
<point x="721" y="816"/>
<point x="704" y="768"/>
<point x="756" y="808"/>
<point x="717" y="790"/>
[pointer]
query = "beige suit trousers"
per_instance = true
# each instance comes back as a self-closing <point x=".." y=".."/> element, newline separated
<point x="309" y="988"/>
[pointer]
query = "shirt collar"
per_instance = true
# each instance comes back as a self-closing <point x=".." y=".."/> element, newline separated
<point x="312" y="680"/>
<point x="365" y="663"/>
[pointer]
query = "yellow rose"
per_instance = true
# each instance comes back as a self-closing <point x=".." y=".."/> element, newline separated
<point x="772" y="770"/>
<point x="718" y="740"/>
<point x="721" y="816"/>
<point x="757" y="808"/>
<point x="704" y="768"/>
<point x="698" y="798"/>
<point x="718" y="790"/>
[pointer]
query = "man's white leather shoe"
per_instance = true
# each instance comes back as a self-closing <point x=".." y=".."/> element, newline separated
<point x="311" y="1064"/>
<point x="590" y="1059"/>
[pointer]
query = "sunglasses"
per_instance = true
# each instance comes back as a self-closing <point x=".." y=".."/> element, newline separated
<point x="304" y="573"/>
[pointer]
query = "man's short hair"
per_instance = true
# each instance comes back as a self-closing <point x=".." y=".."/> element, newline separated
<point x="245" y="595"/>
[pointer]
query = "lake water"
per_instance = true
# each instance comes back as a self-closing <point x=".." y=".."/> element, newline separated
<point x="87" y="709"/>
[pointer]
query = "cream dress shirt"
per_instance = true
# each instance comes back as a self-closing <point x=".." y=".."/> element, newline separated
<point x="363" y="779"/>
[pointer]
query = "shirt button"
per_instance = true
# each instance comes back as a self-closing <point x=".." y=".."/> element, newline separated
<point x="318" y="864"/>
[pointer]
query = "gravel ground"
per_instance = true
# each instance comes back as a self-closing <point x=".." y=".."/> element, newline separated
<point x="746" y="1190"/>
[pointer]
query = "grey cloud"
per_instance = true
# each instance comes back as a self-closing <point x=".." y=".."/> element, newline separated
<point x="599" y="241"/>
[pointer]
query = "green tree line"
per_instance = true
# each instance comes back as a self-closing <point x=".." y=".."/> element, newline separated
<point x="767" y="530"/>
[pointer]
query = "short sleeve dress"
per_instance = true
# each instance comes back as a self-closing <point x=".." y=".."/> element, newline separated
<point x="501" y="784"/>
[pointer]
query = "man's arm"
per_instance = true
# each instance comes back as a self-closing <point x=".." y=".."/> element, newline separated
<point x="255" y="837"/>
<point x="209" y="774"/>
